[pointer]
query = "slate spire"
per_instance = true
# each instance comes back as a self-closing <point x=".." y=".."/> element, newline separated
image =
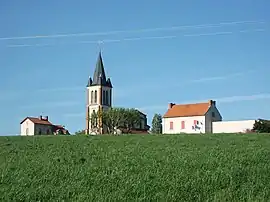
<point x="99" y="74"/>
<point x="99" y="77"/>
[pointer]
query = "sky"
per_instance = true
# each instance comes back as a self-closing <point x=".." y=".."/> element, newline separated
<point x="155" y="52"/>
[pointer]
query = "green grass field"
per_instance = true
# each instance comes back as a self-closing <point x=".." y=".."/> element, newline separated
<point x="142" y="168"/>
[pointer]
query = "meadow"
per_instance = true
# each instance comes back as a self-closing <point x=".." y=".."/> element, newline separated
<point x="231" y="167"/>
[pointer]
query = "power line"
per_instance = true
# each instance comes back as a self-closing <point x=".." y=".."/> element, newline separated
<point x="135" y="39"/>
<point x="184" y="27"/>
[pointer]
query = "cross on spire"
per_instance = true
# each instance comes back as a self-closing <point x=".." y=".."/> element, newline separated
<point x="99" y="45"/>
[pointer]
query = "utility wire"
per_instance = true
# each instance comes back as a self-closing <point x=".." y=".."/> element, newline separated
<point x="172" y="28"/>
<point x="135" y="39"/>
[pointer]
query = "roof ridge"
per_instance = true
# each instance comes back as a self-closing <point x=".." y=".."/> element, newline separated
<point x="192" y="103"/>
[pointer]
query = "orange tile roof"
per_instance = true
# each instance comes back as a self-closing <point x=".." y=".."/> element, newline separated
<point x="37" y="121"/>
<point x="184" y="110"/>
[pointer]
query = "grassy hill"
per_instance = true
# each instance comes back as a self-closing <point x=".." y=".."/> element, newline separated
<point x="170" y="167"/>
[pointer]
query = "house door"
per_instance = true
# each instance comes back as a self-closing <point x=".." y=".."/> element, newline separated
<point x="27" y="131"/>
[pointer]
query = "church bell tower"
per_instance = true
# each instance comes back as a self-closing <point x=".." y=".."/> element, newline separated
<point x="98" y="99"/>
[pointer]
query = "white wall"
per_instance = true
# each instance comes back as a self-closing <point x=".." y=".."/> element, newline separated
<point x="189" y="122"/>
<point x="90" y="89"/>
<point x="27" y="125"/>
<point x="33" y="129"/>
<point x="232" y="126"/>
<point x="98" y="89"/>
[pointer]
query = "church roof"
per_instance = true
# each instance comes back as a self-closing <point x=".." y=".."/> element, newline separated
<point x="99" y="77"/>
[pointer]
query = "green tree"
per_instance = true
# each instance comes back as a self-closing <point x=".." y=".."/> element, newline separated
<point x="261" y="126"/>
<point x="118" y="117"/>
<point x="157" y="124"/>
<point x="132" y="118"/>
<point x="113" y="118"/>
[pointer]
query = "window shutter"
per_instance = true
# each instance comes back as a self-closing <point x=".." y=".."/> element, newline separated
<point x="171" y="125"/>
<point x="183" y="125"/>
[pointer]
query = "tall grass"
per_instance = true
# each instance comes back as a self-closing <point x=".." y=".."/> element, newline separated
<point x="142" y="168"/>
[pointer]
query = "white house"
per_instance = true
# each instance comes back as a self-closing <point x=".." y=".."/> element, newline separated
<point x="190" y="118"/>
<point x="40" y="126"/>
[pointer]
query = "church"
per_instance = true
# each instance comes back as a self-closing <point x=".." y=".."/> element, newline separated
<point x="99" y="97"/>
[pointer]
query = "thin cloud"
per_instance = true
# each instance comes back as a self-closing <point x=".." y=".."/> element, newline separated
<point x="238" y="98"/>
<point x="123" y="91"/>
<point x="145" y="88"/>
<point x="75" y="115"/>
<point x="153" y="108"/>
<point x="215" y="78"/>
<point x="134" y="39"/>
<point x="126" y="91"/>
<point x="172" y="28"/>
<point x="71" y="88"/>
<point x="223" y="33"/>
<point x="230" y="99"/>
<point x="15" y="94"/>
<point x="243" y="98"/>
<point x="163" y="108"/>
<point x="51" y="105"/>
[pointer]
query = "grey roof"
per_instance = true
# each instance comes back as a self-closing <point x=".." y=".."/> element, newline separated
<point x="89" y="83"/>
<point x="99" y="77"/>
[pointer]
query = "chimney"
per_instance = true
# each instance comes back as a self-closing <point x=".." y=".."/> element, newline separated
<point x="40" y="117"/>
<point x="212" y="102"/>
<point x="171" y="105"/>
<point x="46" y="118"/>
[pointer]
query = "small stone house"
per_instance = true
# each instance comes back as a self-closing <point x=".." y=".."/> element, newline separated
<point x="40" y="126"/>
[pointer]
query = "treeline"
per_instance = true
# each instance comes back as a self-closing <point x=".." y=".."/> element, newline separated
<point x="117" y="117"/>
<point x="121" y="118"/>
<point x="261" y="126"/>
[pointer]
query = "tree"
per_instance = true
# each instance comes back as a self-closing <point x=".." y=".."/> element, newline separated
<point x="261" y="126"/>
<point x="132" y="118"/>
<point x="117" y="117"/>
<point x="113" y="118"/>
<point x="157" y="124"/>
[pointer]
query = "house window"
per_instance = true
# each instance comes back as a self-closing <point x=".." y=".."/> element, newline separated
<point x="39" y="132"/>
<point x="213" y="114"/>
<point x="183" y="125"/>
<point x="48" y="131"/>
<point x="171" y="125"/>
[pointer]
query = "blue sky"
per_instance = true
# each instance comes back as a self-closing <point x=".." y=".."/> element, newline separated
<point x="226" y="62"/>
